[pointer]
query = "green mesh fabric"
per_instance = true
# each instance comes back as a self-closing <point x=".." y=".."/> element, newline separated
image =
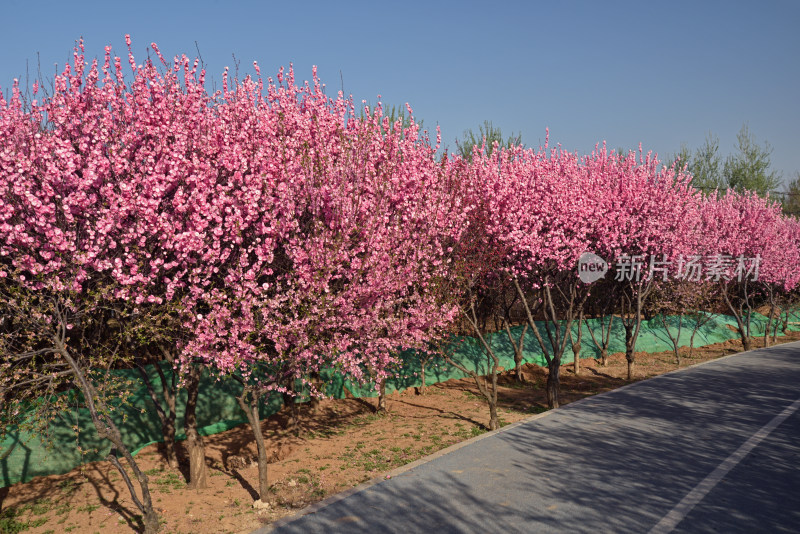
<point x="24" y="456"/>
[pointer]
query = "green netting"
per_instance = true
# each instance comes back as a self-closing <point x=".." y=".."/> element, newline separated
<point x="24" y="456"/>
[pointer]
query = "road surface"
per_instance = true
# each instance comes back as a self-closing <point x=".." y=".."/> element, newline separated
<point x="712" y="448"/>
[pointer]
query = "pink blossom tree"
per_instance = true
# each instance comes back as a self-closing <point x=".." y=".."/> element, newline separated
<point x="748" y="245"/>
<point x="533" y="211"/>
<point x="71" y="241"/>
<point x="335" y="237"/>
<point x="651" y="220"/>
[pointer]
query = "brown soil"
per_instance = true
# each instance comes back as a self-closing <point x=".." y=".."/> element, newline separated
<point x="344" y="444"/>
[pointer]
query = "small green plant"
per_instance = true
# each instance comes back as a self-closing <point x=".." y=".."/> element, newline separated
<point x="89" y="508"/>
<point x="9" y="522"/>
<point x="40" y="506"/>
<point x="67" y="486"/>
<point x="170" y="481"/>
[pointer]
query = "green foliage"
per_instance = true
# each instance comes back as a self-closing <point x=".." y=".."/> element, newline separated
<point x="791" y="197"/>
<point x="705" y="167"/>
<point x="489" y="135"/>
<point x="746" y="169"/>
<point x="11" y="520"/>
<point x="749" y="168"/>
<point x="704" y="164"/>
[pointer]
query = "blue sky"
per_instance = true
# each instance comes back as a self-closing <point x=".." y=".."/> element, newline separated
<point x="659" y="73"/>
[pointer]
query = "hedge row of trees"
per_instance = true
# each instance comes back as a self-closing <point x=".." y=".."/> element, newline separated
<point x="267" y="231"/>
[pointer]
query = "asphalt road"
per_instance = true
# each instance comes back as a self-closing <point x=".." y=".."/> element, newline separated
<point x="712" y="448"/>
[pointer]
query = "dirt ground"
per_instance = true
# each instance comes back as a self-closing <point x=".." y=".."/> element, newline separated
<point x="344" y="444"/>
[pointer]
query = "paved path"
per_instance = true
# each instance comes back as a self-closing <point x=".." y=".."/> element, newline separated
<point x="713" y="448"/>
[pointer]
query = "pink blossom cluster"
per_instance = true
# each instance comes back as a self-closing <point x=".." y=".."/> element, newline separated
<point x="541" y="209"/>
<point x="745" y="225"/>
<point x="291" y="233"/>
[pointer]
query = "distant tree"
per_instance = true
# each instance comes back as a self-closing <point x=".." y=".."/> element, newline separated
<point x="791" y="196"/>
<point x="749" y="168"/>
<point x="682" y="157"/>
<point x="705" y="166"/>
<point x="490" y="135"/>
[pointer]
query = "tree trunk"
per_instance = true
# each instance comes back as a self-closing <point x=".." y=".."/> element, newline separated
<point x="107" y="429"/>
<point x="630" y="355"/>
<point x="518" y="349"/>
<point x="289" y="402"/>
<point x="489" y="392"/>
<point x="195" y="447"/>
<point x="248" y="402"/>
<point x="746" y="342"/>
<point x="775" y="327"/>
<point x="691" y="342"/>
<point x="576" y="346"/>
<point x="576" y="364"/>
<point x="494" y="422"/>
<point x="381" y="408"/>
<point x="169" y="443"/>
<point x="605" y="337"/>
<point x="676" y="339"/>
<point x="553" y="383"/>
<point x="633" y="324"/>
<point x="742" y="324"/>
<point x="313" y="402"/>
<point x="421" y="389"/>
<point x="770" y="319"/>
